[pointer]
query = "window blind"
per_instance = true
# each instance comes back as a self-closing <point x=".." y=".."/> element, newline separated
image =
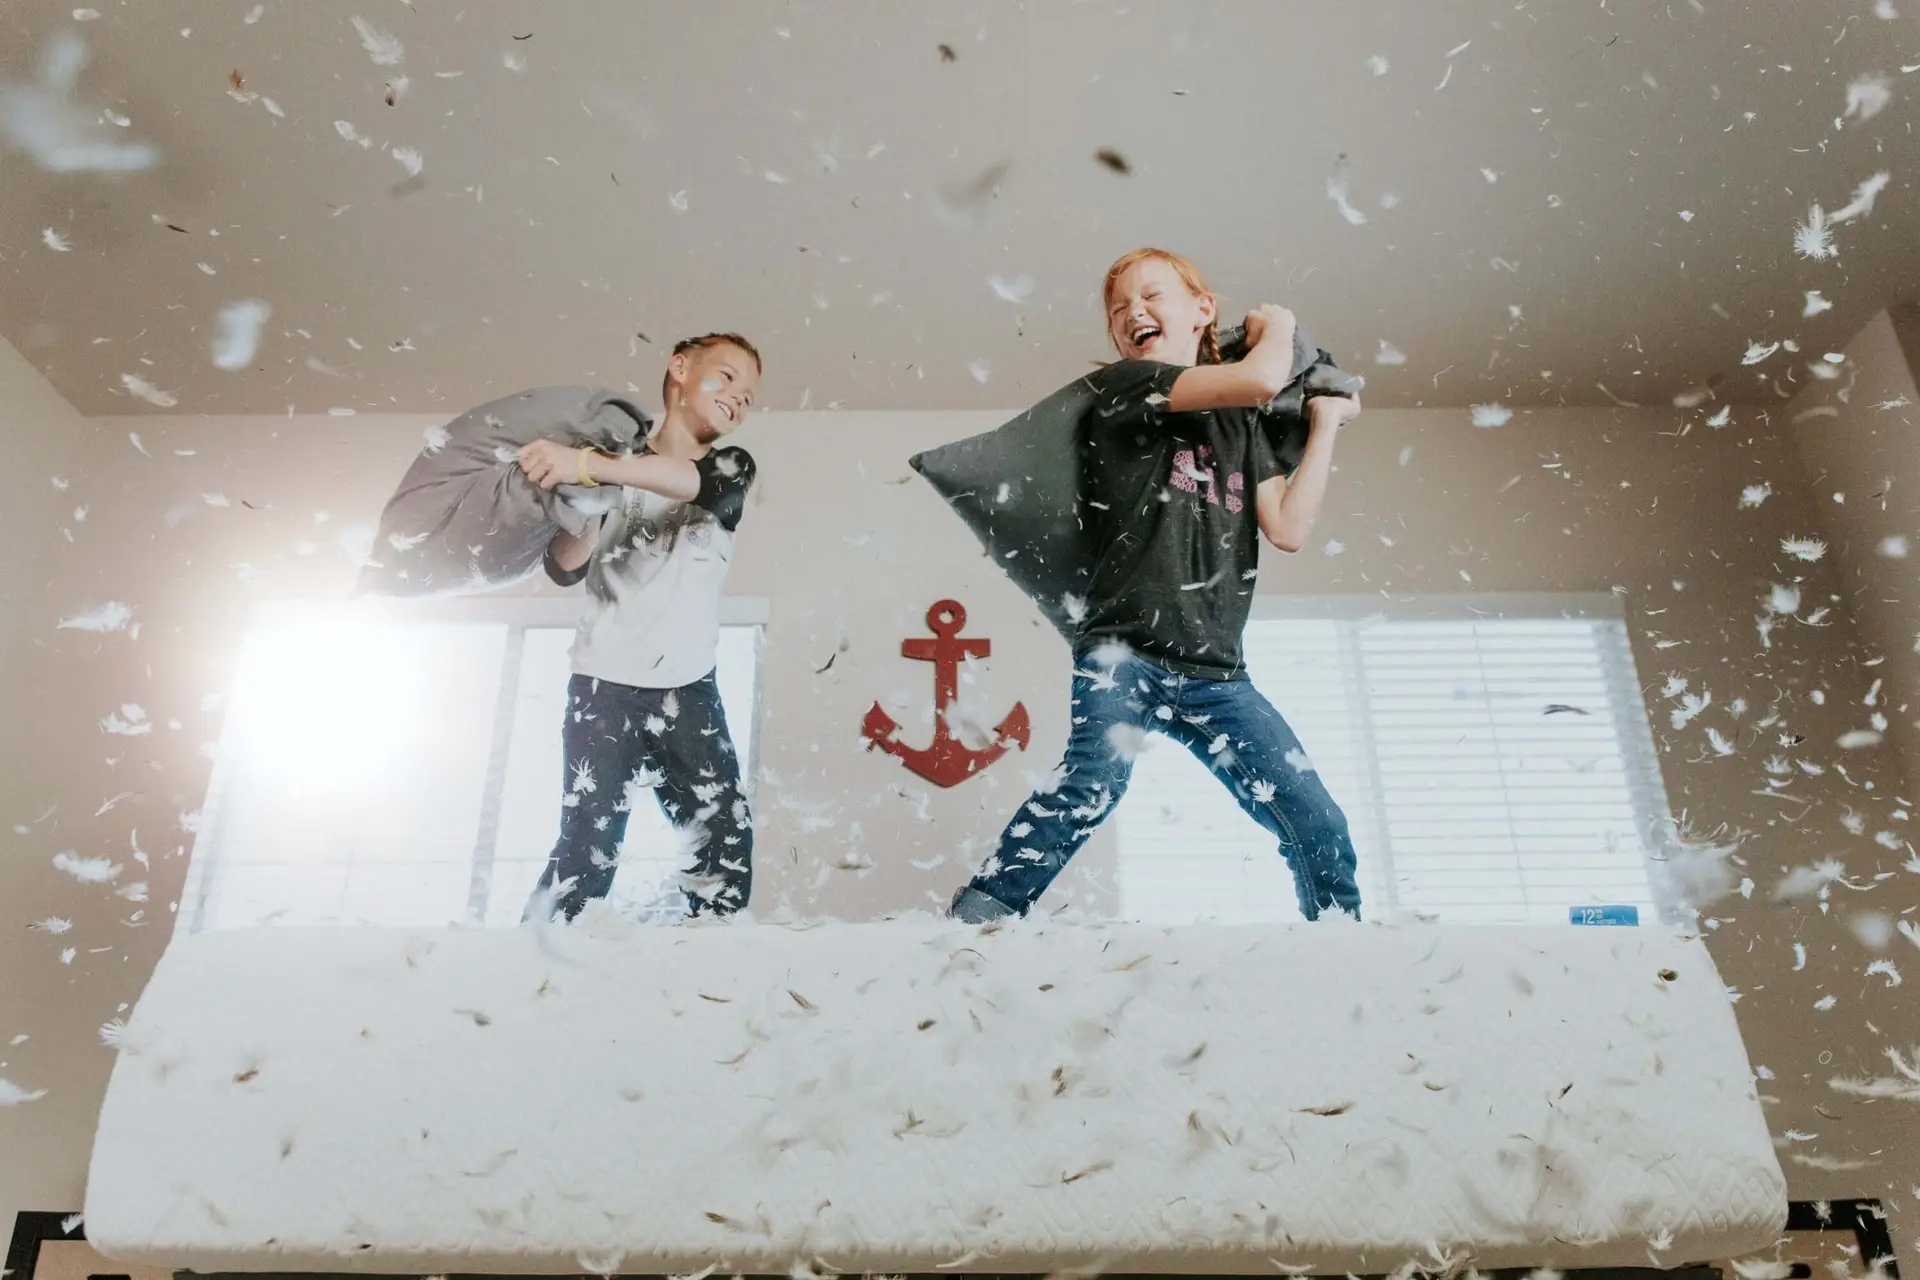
<point x="1492" y="769"/>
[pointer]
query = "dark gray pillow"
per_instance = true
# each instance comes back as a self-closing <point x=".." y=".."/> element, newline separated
<point x="1285" y="416"/>
<point x="1017" y="486"/>
<point x="466" y="518"/>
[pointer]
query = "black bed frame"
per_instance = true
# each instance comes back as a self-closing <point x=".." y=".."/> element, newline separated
<point x="1864" y="1218"/>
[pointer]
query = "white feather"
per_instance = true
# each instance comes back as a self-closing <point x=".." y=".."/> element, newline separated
<point x="1338" y="191"/>
<point x="1804" y="548"/>
<point x="409" y="159"/>
<point x="381" y="46"/>
<point x="1491" y="415"/>
<point x="86" y="870"/>
<point x="12" y="1094"/>
<point x="129" y="722"/>
<point x="41" y="118"/>
<point x="1814" y="238"/>
<point x="1017" y="289"/>
<point x="239" y="335"/>
<point x="145" y="390"/>
<point x="1868" y="96"/>
<point x="111" y="616"/>
<point x="55" y="241"/>
<point x="1804" y="882"/>
<point x="1863" y="197"/>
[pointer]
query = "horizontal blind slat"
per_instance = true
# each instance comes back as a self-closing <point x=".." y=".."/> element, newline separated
<point x="1498" y="772"/>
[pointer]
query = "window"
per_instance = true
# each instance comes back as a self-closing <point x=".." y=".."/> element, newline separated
<point x="1492" y="756"/>
<point x="400" y="763"/>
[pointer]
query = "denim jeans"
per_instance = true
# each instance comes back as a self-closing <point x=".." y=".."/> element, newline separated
<point x="674" y="740"/>
<point x="1228" y="725"/>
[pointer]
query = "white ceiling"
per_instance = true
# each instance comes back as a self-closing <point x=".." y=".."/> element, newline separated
<point x="849" y="192"/>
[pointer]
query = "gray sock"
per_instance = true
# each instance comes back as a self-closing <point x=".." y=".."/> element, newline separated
<point x="974" y="907"/>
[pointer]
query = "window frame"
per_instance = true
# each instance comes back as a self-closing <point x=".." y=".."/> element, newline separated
<point x="519" y="614"/>
<point x="1634" y="738"/>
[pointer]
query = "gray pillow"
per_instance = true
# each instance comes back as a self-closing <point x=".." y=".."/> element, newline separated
<point x="466" y="518"/>
<point x="1284" y="418"/>
<point x="1016" y="486"/>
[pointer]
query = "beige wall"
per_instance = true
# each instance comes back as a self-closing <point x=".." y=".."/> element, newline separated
<point x="1858" y="437"/>
<point x="838" y="545"/>
<point x="39" y="437"/>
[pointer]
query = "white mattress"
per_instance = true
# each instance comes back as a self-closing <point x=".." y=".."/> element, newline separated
<point x="917" y="1095"/>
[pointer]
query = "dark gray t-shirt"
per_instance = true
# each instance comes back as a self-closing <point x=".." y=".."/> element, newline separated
<point x="1170" y="497"/>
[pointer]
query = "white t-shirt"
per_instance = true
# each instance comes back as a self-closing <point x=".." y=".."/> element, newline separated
<point x="654" y="586"/>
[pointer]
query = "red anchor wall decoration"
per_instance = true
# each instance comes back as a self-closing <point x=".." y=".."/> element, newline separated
<point x="946" y="761"/>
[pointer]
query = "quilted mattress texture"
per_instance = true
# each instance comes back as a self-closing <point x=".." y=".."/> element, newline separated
<point x="919" y="1095"/>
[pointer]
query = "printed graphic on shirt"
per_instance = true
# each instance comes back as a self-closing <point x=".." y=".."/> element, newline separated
<point x="655" y="527"/>
<point x="1196" y="471"/>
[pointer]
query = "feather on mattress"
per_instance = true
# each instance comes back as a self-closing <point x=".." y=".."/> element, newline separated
<point x="917" y="1094"/>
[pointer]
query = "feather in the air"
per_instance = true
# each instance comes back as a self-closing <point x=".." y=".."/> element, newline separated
<point x="1338" y="191"/>
<point x="12" y="1095"/>
<point x="239" y="334"/>
<point x="382" y="46"/>
<point x="1863" y="197"/>
<point x="1867" y="97"/>
<point x="111" y="616"/>
<point x="1018" y="289"/>
<point x="1814" y="238"/>
<point x="86" y="870"/>
<point x="41" y="118"/>
<point x="1804" y="548"/>
<point x="145" y="390"/>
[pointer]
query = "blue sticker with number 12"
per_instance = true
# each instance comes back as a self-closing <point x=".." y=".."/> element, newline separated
<point x="1604" y="915"/>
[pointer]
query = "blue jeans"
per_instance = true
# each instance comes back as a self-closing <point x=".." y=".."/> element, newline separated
<point x="1228" y="725"/>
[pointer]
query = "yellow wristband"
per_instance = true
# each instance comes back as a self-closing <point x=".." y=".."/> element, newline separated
<point x="585" y="479"/>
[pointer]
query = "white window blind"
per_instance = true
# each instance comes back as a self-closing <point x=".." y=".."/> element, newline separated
<point x="400" y="772"/>
<point x="1493" y="760"/>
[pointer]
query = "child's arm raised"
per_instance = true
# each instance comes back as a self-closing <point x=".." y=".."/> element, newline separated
<point x="549" y="463"/>
<point x="1248" y="383"/>
<point x="1287" y="507"/>
<point x="568" y="553"/>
